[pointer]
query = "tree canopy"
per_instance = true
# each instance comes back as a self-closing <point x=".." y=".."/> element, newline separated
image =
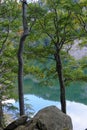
<point x="53" y="27"/>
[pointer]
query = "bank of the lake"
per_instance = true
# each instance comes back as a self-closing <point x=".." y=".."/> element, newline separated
<point x="76" y="95"/>
<point x="77" y="111"/>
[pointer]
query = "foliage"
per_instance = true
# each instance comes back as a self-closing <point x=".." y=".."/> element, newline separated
<point x="9" y="25"/>
<point x="60" y="24"/>
<point x="51" y="23"/>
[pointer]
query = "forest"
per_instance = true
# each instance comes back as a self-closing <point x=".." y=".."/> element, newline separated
<point x="36" y="39"/>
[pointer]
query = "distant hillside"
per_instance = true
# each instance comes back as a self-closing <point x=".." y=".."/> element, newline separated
<point x="78" y="52"/>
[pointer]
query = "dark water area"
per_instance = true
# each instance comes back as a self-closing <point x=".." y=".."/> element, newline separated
<point x="77" y="91"/>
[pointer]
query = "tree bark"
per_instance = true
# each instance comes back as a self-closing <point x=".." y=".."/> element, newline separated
<point x="1" y="114"/>
<point x="20" y="61"/>
<point x="20" y="76"/>
<point x="61" y="82"/>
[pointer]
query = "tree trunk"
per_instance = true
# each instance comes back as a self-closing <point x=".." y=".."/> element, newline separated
<point x="20" y="77"/>
<point x="1" y="114"/>
<point x="20" y="60"/>
<point x="61" y="82"/>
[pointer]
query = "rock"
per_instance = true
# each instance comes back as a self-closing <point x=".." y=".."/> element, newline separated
<point x="21" y="121"/>
<point x="1" y="128"/>
<point x="50" y="118"/>
<point x="21" y="128"/>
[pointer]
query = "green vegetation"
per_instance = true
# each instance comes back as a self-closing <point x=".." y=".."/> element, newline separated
<point x="52" y="26"/>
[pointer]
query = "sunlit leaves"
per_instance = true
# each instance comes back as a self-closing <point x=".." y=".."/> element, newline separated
<point x="60" y="22"/>
<point x="9" y="24"/>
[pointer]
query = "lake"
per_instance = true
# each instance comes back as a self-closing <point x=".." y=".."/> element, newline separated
<point x="77" y="91"/>
<point x="76" y="95"/>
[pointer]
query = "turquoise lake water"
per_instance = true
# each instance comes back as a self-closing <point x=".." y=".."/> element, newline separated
<point x="77" y="91"/>
<point x="76" y="100"/>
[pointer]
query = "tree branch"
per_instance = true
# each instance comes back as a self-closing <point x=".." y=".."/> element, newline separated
<point x="3" y="44"/>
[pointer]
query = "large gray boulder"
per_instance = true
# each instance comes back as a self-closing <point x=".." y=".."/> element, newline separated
<point x="50" y="118"/>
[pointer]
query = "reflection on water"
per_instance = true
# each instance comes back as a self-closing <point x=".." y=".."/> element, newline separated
<point x="76" y="94"/>
<point x="77" y="91"/>
<point x="77" y="111"/>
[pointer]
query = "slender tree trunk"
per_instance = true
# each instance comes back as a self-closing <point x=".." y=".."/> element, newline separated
<point x="1" y="114"/>
<point x="61" y="82"/>
<point x="20" y="60"/>
<point x="20" y="77"/>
